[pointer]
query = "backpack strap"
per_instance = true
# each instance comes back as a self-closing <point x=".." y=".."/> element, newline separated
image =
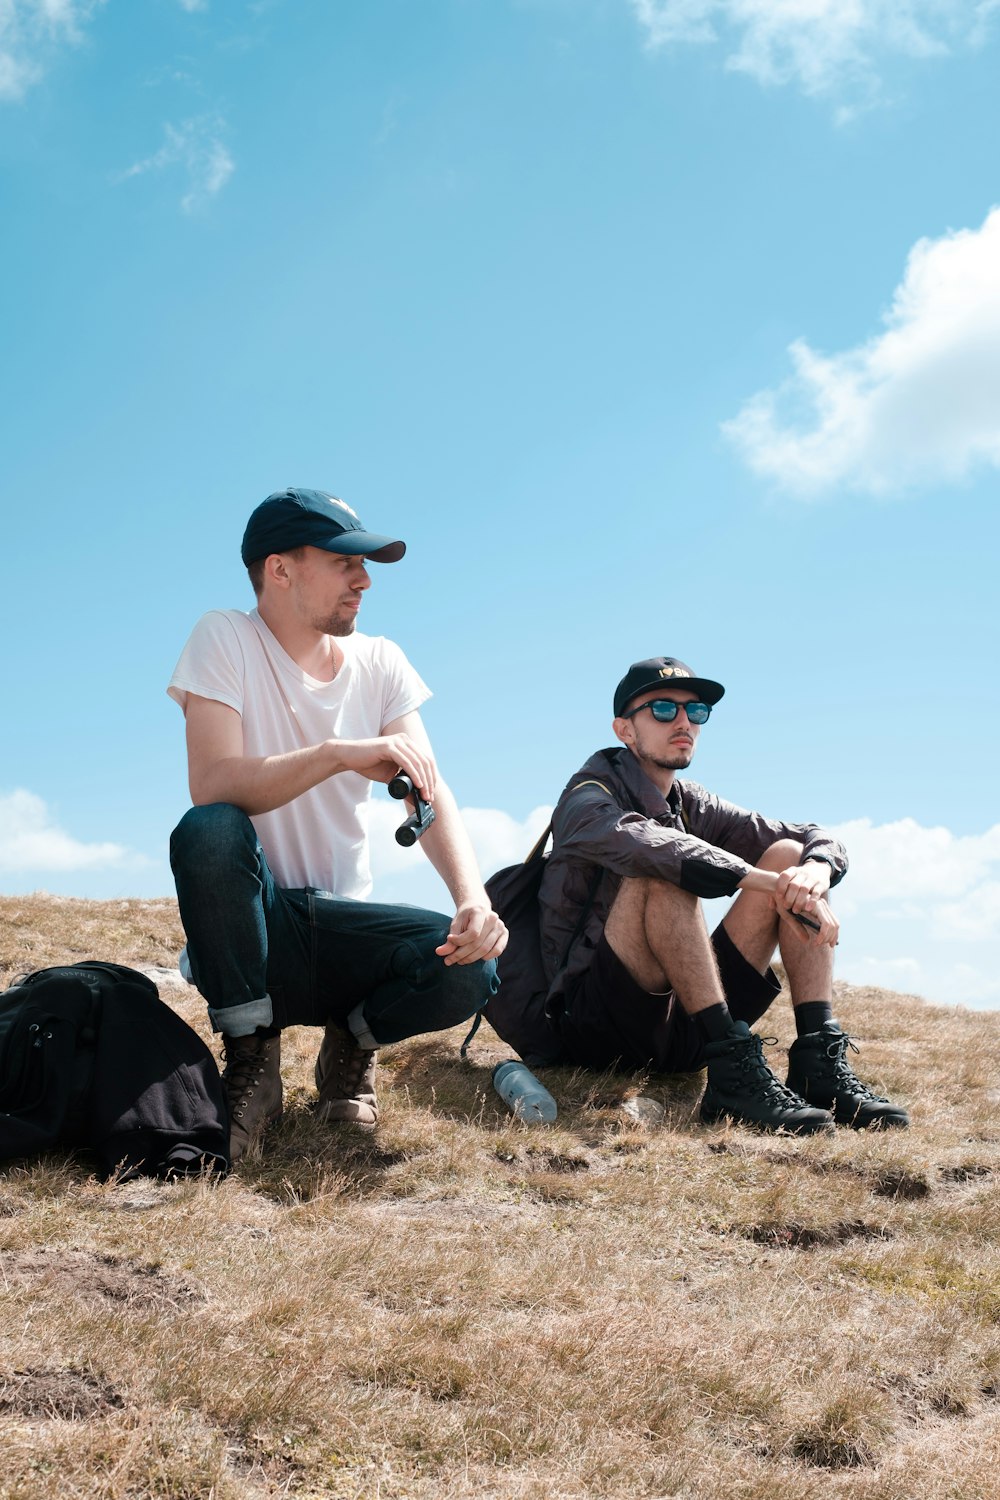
<point x="535" y="853"/>
<point x="538" y="847"/>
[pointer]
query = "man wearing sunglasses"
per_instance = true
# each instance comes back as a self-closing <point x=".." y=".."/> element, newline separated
<point x="634" y="978"/>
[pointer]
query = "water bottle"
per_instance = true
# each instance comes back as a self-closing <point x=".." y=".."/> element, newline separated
<point x="522" y="1093"/>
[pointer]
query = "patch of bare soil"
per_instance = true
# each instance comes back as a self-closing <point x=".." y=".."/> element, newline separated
<point x="70" y="1395"/>
<point x="556" y="1161"/>
<point x="457" y="1210"/>
<point x="970" y="1172"/>
<point x="78" y="1273"/>
<point x="259" y="1470"/>
<point x="809" y="1236"/>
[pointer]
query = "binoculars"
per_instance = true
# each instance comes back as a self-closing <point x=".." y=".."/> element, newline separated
<point x="422" y="816"/>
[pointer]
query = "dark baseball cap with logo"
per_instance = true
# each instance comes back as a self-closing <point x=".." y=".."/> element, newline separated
<point x="311" y="518"/>
<point x="662" y="672"/>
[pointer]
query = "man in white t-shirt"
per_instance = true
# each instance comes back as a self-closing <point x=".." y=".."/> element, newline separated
<point x="291" y="715"/>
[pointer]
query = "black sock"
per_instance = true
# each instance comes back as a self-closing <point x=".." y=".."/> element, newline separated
<point x="714" y="1021"/>
<point x="268" y="1031"/>
<point x="810" y="1016"/>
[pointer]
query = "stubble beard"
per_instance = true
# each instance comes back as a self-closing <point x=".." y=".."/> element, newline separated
<point x="679" y="760"/>
<point x="336" y="625"/>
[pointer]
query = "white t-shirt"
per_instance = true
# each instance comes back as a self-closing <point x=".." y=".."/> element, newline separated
<point x="320" y="838"/>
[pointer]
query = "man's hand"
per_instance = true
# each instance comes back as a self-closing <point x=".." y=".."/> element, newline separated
<point x="381" y="758"/>
<point x="476" y="932"/>
<point x="802" y="891"/>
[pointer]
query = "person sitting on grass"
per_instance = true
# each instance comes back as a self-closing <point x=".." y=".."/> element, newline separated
<point x="291" y="715"/>
<point x="634" y="979"/>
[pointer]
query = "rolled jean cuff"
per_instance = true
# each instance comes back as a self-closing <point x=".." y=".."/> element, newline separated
<point x="360" y="1030"/>
<point x="242" y="1020"/>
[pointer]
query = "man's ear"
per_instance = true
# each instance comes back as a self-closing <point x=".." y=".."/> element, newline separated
<point x="277" y="571"/>
<point x="624" y="730"/>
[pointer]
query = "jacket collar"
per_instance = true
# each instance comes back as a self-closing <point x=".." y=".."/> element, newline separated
<point x="643" y="796"/>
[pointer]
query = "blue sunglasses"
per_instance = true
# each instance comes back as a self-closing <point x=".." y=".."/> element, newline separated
<point x="665" y="711"/>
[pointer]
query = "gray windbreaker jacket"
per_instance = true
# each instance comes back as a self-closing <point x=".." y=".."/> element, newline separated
<point x="611" y="822"/>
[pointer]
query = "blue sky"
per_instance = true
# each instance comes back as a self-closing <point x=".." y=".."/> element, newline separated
<point x="651" y="326"/>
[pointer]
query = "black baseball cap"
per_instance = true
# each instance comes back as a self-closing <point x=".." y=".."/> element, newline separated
<point x="663" y="671"/>
<point x="311" y="518"/>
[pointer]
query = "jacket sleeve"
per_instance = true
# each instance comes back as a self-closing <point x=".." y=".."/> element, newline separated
<point x="749" y="834"/>
<point x="719" y="845"/>
<point x="589" y="825"/>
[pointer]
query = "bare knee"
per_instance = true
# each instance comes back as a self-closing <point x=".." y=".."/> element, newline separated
<point x="638" y="894"/>
<point x="782" y="855"/>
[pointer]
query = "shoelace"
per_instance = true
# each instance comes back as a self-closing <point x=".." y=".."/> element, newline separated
<point x="349" y="1065"/>
<point x="752" y="1063"/>
<point x="241" y="1075"/>
<point x="846" y="1076"/>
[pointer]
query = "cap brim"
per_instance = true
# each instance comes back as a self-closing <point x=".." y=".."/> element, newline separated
<point x="383" y="549"/>
<point x="708" y="691"/>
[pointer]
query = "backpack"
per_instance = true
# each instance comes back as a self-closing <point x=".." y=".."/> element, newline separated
<point x="518" y="1012"/>
<point x="91" y="1056"/>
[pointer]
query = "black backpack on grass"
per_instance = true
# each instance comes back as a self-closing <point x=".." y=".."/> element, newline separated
<point x="90" y="1056"/>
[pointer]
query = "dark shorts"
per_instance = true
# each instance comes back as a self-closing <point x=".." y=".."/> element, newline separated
<point x="611" y="1022"/>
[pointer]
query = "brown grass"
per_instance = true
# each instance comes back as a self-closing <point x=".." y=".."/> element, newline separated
<point x="462" y="1306"/>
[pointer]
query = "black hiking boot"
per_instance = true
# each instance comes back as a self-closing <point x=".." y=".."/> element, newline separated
<point x="818" y="1070"/>
<point x="252" y="1084"/>
<point x="345" y="1077"/>
<point x="742" y="1088"/>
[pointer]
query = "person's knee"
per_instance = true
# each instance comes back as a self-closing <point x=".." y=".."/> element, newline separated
<point x="662" y="897"/>
<point x="642" y="905"/>
<point x="208" y="839"/>
<point x="637" y="891"/>
<point x="469" y="987"/>
<point x="782" y="855"/>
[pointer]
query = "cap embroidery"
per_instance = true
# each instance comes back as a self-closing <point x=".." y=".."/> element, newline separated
<point x="334" y="501"/>
<point x="673" y="672"/>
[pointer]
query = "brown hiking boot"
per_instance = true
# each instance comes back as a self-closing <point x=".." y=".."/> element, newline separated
<point x="252" y="1082"/>
<point x="345" y="1077"/>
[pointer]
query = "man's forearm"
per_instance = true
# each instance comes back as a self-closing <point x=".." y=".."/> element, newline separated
<point x="259" y="784"/>
<point x="449" y="849"/>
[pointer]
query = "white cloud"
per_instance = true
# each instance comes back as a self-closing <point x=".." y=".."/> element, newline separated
<point x="406" y="874"/>
<point x="974" y="920"/>
<point x="824" y="46"/>
<point x="904" y="861"/>
<point x="31" y="840"/>
<point x="915" y="404"/>
<point x="921" y="910"/>
<point x="31" y="31"/>
<point x="196" y="148"/>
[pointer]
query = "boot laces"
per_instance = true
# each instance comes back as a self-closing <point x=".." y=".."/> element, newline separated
<point x="761" y="1080"/>
<point x="244" y="1067"/>
<point x="350" y="1063"/>
<point x="846" y="1077"/>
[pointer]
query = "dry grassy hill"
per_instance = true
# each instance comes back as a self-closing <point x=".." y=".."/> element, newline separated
<point x="462" y="1306"/>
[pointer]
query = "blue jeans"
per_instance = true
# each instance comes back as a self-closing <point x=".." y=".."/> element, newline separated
<point x="264" y="956"/>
